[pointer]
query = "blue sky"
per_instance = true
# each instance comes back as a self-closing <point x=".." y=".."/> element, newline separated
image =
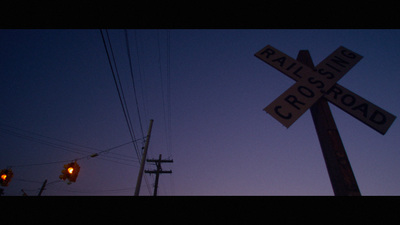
<point x="58" y="84"/>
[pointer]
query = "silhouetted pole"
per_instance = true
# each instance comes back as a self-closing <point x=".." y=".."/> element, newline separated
<point x="339" y="169"/>
<point x="41" y="189"/>
<point x="159" y="170"/>
<point x="146" y="146"/>
<point x="157" y="176"/>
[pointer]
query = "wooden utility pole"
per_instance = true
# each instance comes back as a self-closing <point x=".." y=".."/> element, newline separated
<point x="338" y="165"/>
<point x="41" y="189"/>
<point x="139" y="179"/>
<point x="159" y="170"/>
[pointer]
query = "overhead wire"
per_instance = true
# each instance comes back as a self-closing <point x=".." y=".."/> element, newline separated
<point x="29" y="181"/>
<point x="51" y="138"/>
<point x="134" y="89"/>
<point x="166" y="94"/>
<point x="125" y="106"/>
<point x="162" y="86"/>
<point x="89" y="156"/>
<point x="133" y="80"/>
<point x="49" y="141"/>
<point x="92" y="191"/>
<point x="44" y="142"/>
<point x="120" y="92"/>
<point x="169" y="116"/>
<point x="169" y="144"/>
<point x="141" y="72"/>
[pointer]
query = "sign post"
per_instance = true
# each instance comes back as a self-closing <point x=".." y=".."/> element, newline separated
<point x="338" y="165"/>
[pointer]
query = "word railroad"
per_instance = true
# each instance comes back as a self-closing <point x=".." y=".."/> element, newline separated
<point x="321" y="81"/>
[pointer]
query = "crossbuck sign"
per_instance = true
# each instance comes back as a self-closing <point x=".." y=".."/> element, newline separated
<point x="313" y="84"/>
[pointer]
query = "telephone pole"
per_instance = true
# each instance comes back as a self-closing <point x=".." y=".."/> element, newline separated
<point x="42" y="188"/>
<point x="159" y="170"/>
<point x="146" y="146"/>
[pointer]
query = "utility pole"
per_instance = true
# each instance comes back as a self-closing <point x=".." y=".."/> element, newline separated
<point x="23" y="193"/>
<point x="159" y="170"/>
<point x="146" y="146"/>
<point x="41" y="189"/>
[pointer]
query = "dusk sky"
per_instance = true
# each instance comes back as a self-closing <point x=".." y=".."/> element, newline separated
<point x="206" y="92"/>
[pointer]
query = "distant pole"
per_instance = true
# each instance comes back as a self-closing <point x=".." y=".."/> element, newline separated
<point x="157" y="176"/>
<point x="146" y="146"/>
<point x="41" y="189"/>
<point x="159" y="170"/>
<point x="338" y="165"/>
<point x="23" y="193"/>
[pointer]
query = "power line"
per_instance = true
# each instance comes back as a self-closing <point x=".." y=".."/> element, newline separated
<point x="169" y="147"/>
<point x="30" y="181"/>
<point x="84" y="157"/>
<point x="169" y="144"/>
<point x="120" y="93"/>
<point x="141" y="78"/>
<point x="107" y="157"/>
<point x="67" y="148"/>
<point x="62" y="146"/>
<point x="122" y="99"/>
<point x="133" y="80"/>
<point x="121" y="90"/>
<point x="40" y="141"/>
<point x="166" y="94"/>
<point x="40" y="164"/>
<point x="89" y="191"/>
<point x="121" y="163"/>
<point x="52" y="138"/>
<point x="162" y="88"/>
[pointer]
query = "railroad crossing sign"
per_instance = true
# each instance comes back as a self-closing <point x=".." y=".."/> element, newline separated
<point x="312" y="84"/>
<point x="314" y="87"/>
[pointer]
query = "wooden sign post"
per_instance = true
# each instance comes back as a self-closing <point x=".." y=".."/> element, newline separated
<point x="338" y="165"/>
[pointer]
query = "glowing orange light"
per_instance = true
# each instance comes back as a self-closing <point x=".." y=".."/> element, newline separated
<point x="70" y="170"/>
<point x="3" y="176"/>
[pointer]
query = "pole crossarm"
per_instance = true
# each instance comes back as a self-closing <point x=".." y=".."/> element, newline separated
<point x="156" y="171"/>
<point x="160" y="161"/>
